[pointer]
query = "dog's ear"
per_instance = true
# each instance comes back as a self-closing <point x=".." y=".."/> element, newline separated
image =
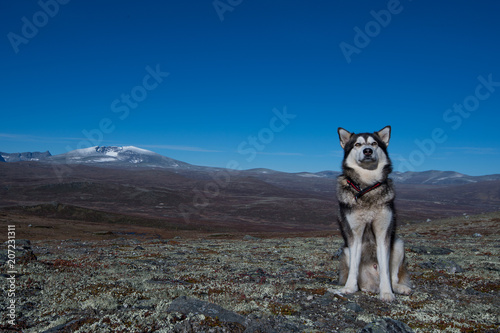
<point x="344" y="136"/>
<point x="385" y="134"/>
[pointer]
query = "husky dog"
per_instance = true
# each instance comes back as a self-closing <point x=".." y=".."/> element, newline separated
<point x="373" y="257"/>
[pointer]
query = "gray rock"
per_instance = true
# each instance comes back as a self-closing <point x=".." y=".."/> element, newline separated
<point x="472" y="291"/>
<point x="430" y="250"/>
<point x="249" y="238"/>
<point x="386" y="325"/>
<point x="354" y="307"/>
<point x="186" y="305"/>
<point x="448" y="265"/>
<point x="338" y="253"/>
<point x="326" y="299"/>
<point x="272" y="325"/>
<point x="24" y="243"/>
<point x="257" y="327"/>
<point x="21" y="244"/>
<point x="61" y="327"/>
<point x="3" y="257"/>
<point x="23" y="252"/>
<point x="212" y="326"/>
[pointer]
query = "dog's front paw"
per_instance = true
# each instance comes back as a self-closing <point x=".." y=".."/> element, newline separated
<point x="401" y="289"/>
<point x="348" y="290"/>
<point x="387" y="297"/>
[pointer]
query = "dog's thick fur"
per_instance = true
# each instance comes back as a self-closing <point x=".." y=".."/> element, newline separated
<point x="373" y="257"/>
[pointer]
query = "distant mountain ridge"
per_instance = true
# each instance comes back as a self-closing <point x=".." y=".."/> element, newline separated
<point x="435" y="177"/>
<point x="26" y="156"/>
<point x="134" y="157"/>
<point x="113" y="156"/>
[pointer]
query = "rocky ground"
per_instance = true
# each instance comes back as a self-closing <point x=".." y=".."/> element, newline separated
<point x="237" y="283"/>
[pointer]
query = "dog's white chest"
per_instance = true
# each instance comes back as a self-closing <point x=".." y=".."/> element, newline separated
<point x="359" y="218"/>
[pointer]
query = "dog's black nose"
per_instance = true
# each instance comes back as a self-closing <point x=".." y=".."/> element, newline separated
<point x="367" y="151"/>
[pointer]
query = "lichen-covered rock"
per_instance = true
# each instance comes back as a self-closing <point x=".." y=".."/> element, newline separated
<point x="419" y="249"/>
<point x="188" y="305"/>
<point x="448" y="265"/>
<point x="386" y="325"/>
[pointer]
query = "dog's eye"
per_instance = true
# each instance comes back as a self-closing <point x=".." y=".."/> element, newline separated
<point x="374" y="143"/>
<point x="357" y="144"/>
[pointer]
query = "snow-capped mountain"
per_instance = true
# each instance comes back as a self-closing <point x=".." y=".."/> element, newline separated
<point x="435" y="177"/>
<point x="133" y="157"/>
<point x="26" y="156"/>
<point x="126" y="156"/>
<point x="432" y="177"/>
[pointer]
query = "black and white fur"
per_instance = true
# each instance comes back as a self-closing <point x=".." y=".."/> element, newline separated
<point x="373" y="257"/>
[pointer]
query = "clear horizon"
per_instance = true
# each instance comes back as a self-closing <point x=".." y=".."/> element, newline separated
<point x="264" y="83"/>
<point x="232" y="164"/>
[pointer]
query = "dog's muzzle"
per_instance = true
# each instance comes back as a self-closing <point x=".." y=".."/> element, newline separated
<point x="369" y="155"/>
<point x="368" y="158"/>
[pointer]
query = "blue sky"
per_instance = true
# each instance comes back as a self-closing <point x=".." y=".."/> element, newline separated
<point x="262" y="83"/>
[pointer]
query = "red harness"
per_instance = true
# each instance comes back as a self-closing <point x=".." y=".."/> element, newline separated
<point x="359" y="190"/>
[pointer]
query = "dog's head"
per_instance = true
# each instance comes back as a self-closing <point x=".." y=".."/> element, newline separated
<point x="367" y="151"/>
